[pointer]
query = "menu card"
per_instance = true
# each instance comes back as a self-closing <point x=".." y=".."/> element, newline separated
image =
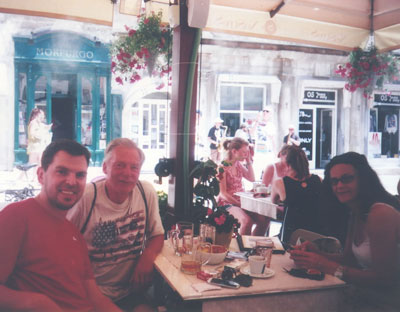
<point x="249" y="242"/>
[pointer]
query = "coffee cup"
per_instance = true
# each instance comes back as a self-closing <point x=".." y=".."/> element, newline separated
<point x="257" y="264"/>
<point x="262" y="190"/>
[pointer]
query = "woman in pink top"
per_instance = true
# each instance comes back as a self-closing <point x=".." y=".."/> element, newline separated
<point x="231" y="182"/>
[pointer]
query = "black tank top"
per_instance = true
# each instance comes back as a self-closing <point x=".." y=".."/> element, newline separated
<point x="301" y="203"/>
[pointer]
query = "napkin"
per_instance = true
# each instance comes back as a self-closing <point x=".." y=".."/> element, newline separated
<point x="201" y="287"/>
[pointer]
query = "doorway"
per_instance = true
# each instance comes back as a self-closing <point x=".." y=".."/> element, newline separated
<point x="324" y="136"/>
<point x="63" y="105"/>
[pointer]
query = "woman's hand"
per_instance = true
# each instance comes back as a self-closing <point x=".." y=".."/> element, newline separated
<point x="307" y="246"/>
<point x="312" y="260"/>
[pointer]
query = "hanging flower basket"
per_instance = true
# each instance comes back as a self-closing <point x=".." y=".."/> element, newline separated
<point x="369" y="69"/>
<point x="144" y="51"/>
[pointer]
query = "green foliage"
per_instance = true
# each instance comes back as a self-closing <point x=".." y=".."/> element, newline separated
<point x="205" y="206"/>
<point x="146" y="49"/>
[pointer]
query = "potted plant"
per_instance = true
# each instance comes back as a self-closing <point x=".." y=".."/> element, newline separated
<point x="205" y="207"/>
<point x="368" y="69"/>
<point x="142" y="51"/>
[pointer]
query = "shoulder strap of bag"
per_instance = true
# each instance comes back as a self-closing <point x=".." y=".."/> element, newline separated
<point x="140" y="187"/>
<point x="91" y="209"/>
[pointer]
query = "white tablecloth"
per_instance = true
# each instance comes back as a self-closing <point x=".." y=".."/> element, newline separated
<point x="260" y="205"/>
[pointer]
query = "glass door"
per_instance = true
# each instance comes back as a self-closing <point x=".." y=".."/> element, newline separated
<point x="324" y="136"/>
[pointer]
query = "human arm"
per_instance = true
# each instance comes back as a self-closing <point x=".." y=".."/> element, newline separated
<point x="293" y="139"/>
<point x="11" y="240"/>
<point x="99" y="301"/>
<point x="278" y="192"/>
<point x="383" y="244"/>
<point x="248" y="171"/>
<point x="268" y="175"/>
<point x="143" y="272"/>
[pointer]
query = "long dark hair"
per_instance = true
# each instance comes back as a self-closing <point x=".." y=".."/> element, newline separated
<point x="371" y="190"/>
<point x="297" y="160"/>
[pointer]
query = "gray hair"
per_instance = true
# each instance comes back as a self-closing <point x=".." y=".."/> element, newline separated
<point x="123" y="142"/>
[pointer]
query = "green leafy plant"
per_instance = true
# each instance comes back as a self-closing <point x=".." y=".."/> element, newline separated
<point x="369" y="69"/>
<point x="142" y="51"/>
<point x="205" y="206"/>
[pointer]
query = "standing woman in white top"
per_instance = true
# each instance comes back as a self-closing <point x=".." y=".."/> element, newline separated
<point x="371" y="257"/>
<point x="276" y="170"/>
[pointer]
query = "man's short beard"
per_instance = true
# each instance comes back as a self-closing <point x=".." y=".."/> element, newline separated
<point x="61" y="207"/>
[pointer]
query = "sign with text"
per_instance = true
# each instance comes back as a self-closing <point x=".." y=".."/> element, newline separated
<point x="374" y="144"/>
<point x="317" y="97"/>
<point x="306" y="131"/>
<point x="386" y="99"/>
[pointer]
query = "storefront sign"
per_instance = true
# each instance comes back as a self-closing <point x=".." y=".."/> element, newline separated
<point x="317" y="97"/>
<point x="61" y="47"/>
<point x="374" y="144"/>
<point x="387" y="99"/>
<point x="63" y="53"/>
<point x="306" y="131"/>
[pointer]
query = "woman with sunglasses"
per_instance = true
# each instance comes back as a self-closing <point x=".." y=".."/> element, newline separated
<point x="371" y="256"/>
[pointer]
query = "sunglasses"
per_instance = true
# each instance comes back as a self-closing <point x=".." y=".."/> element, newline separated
<point x="345" y="179"/>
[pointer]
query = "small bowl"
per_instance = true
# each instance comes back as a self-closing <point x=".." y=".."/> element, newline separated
<point x="216" y="256"/>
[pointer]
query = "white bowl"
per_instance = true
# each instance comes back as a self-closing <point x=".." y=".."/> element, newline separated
<point x="213" y="257"/>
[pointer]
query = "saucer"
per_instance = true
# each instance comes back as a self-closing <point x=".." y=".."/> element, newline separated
<point x="267" y="272"/>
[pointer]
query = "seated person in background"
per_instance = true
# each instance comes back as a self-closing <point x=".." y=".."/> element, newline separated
<point x="371" y="257"/>
<point x="291" y="138"/>
<point x="44" y="259"/>
<point x="276" y="170"/>
<point x="300" y="192"/>
<point x="231" y="182"/>
<point x="123" y="229"/>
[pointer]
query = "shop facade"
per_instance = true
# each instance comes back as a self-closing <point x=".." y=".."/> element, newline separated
<point x="68" y="77"/>
<point x="303" y="90"/>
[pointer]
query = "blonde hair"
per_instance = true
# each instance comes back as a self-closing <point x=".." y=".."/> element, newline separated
<point x="234" y="144"/>
<point x="123" y="142"/>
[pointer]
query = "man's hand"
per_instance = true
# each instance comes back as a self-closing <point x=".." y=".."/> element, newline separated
<point x="143" y="273"/>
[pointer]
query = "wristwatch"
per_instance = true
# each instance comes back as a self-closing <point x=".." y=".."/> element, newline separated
<point x="339" y="273"/>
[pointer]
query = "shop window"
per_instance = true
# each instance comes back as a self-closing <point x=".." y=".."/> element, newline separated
<point x="240" y="103"/>
<point x="22" y="112"/>
<point x="230" y="97"/>
<point x="103" y="115"/>
<point x="253" y="98"/>
<point x="86" y="112"/>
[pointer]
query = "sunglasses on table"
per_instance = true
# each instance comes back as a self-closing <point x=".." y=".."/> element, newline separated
<point x="345" y="179"/>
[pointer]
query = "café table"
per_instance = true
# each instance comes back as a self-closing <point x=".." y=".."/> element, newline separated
<point x="281" y="292"/>
<point x="261" y="205"/>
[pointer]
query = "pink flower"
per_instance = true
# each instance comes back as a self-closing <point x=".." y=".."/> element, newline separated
<point x="131" y="32"/>
<point x="220" y="220"/>
<point x="146" y="21"/>
<point x="119" y="80"/>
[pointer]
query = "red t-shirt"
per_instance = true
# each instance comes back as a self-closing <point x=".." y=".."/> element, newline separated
<point x="44" y="254"/>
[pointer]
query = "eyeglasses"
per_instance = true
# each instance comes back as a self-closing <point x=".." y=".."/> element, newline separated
<point x="345" y="179"/>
